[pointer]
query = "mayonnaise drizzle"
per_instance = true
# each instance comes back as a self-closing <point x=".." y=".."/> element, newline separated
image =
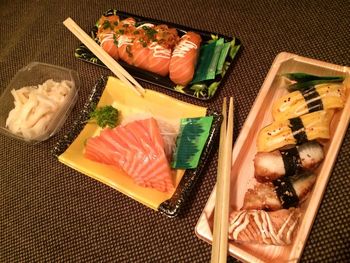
<point x="263" y="221"/>
<point x="107" y="37"/>
<point x="183" y="47"/>
<point x="145" y="24"/>
<point x="159" y="51"/>
<point x="124" y="40"/>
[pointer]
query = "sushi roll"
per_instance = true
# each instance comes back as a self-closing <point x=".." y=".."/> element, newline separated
<point x="261" y="227"/>
<point x="184" y="59"/>
<point x="295" y="131"/>
<point x="320" y="97"/>
<point x="270" y="166"/>
<point x="284" y="192"/>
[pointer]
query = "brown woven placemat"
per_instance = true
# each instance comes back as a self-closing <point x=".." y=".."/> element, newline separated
<point x="49" y="212"/>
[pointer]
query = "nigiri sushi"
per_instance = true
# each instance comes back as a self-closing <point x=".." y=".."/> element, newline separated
<point x="320" y="97"/>
<point x="138" y="149"/>
<point x="272" y="165"/>
<point x="281" y="193"/>
<point x="163" y="40"/>
<point x="295" y="131"/>
<point x="107" y="36"/>
<point x="261" y="227"/>
<point x="184" y="59"/>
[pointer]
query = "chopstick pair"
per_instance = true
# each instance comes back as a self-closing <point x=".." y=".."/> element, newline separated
<point x="220" y="232"/>
<point x="113" y="65"/>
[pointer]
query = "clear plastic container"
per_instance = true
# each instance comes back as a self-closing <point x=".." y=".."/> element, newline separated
<point x="34" y="74"/>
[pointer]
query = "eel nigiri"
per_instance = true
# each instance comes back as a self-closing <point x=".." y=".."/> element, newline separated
<point x="184" y="59"/>
<point x="281" y="193"/>
<point x="258" y="226"/>
<point x="295" y="131"/>
<point x="138" y="149"/>
<point x="320" y="97"/>
<point x="272" y="165"/>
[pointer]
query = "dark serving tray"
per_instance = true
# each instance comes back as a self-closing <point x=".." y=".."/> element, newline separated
<point x="203" y="90"/>
<point x="172" y="206"/>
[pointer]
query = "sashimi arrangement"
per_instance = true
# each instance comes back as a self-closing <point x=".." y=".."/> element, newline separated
<point x="289" y="151"/>
<point x="178" y="58"/>
<point x="145" y="148"/>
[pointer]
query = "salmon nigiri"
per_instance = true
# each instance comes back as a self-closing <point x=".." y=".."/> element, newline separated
<point x="184" y="59"/>
<point x="138" y="149"/>
<point x="106" y="34"/>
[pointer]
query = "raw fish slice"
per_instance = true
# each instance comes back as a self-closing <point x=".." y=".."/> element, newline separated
<point x="258" y="226"/>
<point x="94" y="151"/>
<point x="154" y="133"/>
<point x="159" y="60"/>
<point x="137" y="148"/>
<point x="263" y="195"/>
<point x="184" y="59"/>
<point x="142" y="133"/>
<point x="110" y="46"/>
<point x="118" y="150"/>
<point x="140" y="56"/>
<point x="153" y="154"/>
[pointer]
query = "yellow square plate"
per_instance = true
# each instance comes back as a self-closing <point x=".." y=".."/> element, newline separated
<point x="129" y="103"/>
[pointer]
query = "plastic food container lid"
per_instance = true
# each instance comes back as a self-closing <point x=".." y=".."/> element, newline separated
<point x="34" y="74"/>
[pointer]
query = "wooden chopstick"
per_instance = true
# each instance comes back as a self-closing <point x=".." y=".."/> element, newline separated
<point x="220" y="233"/>
<point x="113" y="65"/>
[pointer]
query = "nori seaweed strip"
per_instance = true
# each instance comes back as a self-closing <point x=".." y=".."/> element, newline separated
<point x="285" y="192"/>
<point x="291" y="161"/>
<point x="298" y="130"/>
<point x="312" y="99"/>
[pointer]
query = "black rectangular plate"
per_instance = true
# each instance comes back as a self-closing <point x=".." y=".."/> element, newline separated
<point x="203" y="90"/>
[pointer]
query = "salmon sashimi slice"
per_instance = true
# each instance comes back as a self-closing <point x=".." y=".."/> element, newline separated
<point x="184" y="59"/>
<point x="138" y="149"/>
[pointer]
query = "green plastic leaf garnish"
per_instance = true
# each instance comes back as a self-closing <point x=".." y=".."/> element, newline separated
<point x="105" y="116"/>
<point x="304" y="80"/>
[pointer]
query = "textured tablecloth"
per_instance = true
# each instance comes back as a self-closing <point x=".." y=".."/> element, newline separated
<point x="49" y="212"/>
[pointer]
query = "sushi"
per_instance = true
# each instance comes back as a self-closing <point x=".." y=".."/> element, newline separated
<point x="162" y="41"/>
<point x="138" y="149"/>
<point x="184" y="59"/>
<point x="295" y="131"/>
<point x="281" y="193"/>
<point x="320" y="97"/>
<point x="261" y="227"/>
<point x="155" y="48"/>
<point x="107" y="36"/>
<point x="272" y="165"/>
